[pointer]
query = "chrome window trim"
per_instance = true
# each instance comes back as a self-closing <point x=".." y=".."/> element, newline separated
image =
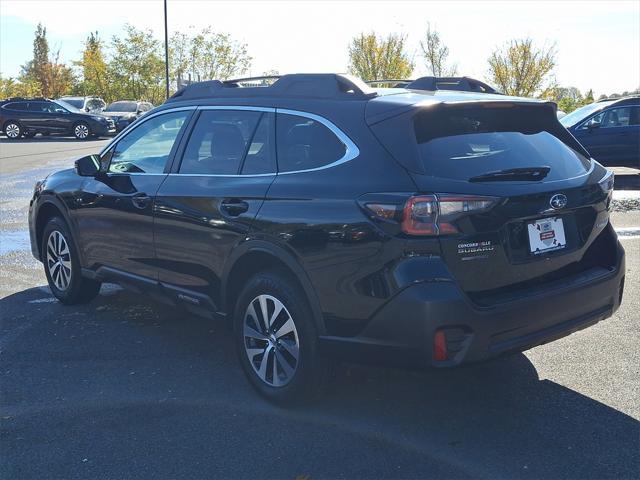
<point x="221" y="175"/>
<point x="351" y="149"/>
<point x="237" y="107"/>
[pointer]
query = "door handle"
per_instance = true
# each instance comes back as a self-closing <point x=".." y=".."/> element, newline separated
<point x="141" y="200"/>
<point x="234" y="207"/>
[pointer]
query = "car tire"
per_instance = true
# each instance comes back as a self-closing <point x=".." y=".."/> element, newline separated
<point x="276" y="372"/>
<point x="81" y="131"/>
<point x="12" y="130"/>
<point x="62" y="265"/>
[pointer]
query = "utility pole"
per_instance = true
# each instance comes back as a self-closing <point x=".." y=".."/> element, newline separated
<point x="166" y="49"/>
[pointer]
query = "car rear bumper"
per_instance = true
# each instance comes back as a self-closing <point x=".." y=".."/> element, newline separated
<point x="402" y="333"/>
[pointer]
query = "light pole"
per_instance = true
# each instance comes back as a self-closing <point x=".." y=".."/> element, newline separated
<point x="166" y="49"/>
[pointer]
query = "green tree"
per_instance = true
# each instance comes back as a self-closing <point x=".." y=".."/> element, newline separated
<point x="44" y="74"/>
<point x="588" y="98"/>
<point x="521" y="68"/>
<point x="10" y="87"/>
<point x="136" y="69"/>
<point x="95" y="79"/>
<point x="207" y="55"/>
<point x="373" y="58"/>
<point x="179" y="56"/>
<point x="436" y="55"/>
<point x="217" y="56"/>
<point x="60" y="78"/>
<point x="38" y="68"/>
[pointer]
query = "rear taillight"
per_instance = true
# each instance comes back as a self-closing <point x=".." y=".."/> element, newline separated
<point x="436" y="214"/>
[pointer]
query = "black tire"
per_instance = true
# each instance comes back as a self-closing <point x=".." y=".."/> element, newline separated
<point x="76" y="289"/>
<point x="310" y="369"/>
<point x="82" y="131"/>
<point x="13" y="130"/>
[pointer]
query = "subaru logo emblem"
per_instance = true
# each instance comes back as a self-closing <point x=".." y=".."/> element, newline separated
<point x="558" y="201"/>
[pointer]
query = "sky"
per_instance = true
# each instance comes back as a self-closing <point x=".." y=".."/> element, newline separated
<point x="597" y="42"/>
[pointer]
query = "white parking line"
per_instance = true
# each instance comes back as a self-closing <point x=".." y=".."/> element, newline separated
<point x="628" y="233"/>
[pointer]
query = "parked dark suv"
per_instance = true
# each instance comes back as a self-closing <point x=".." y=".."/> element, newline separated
<point x="327" y="220"/>
<point x="125" y="112"/>
<point x="609" y="130"/>
<point x="26" y="117"/>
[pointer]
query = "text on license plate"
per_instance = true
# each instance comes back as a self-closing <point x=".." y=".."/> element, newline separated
<point x="546" y="235"/>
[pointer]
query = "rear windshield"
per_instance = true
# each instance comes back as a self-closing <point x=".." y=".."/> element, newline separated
<point x="465" y="143"/>
<point x="75" y="102"/>
<point x="122" y="107"/>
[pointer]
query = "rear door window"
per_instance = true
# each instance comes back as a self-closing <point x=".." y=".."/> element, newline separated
<point x="219" y="142"/>
<point x="304" y="144"/>
<point x="463" y="143"/>
<point x="41" y="107"/>
<point x="17" y="106"/>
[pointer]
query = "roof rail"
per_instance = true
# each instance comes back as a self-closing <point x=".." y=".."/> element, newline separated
<point x="311" y="85"/>
<point x="390" y="82"/>
<point x="615" y="99"/>
<point x="465" y="84"/>
<point x="24" y="99"/>
<point x="262" y="81"/>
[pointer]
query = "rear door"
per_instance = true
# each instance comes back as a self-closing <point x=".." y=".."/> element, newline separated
<point x="49" y="117"/>
<point x="207" y="204"/>
<point x="519" y="201"/>
<point x="19" y="111"/>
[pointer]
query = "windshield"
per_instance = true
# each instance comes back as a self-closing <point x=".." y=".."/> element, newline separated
<point x="122" y="107"/>
<point x="581" y="113"/>
<point x="68" y="106"/>
<point x="76" y="102"/>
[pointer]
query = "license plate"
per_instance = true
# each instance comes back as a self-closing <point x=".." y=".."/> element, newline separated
<point x="546" y="235"/>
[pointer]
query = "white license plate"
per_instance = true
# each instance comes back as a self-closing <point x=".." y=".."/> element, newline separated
<point x="546" y="235"/>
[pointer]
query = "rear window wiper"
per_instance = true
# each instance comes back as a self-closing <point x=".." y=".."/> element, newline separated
<point x="513" y="175"/>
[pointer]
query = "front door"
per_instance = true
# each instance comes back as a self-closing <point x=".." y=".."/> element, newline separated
<point x="114" y="211"/>
<point x="207" y="204"/>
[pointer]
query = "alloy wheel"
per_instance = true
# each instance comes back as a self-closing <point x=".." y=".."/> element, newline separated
<point x="81" y="131"/>
<point x="271" y="340"/>
<point x="59" y="260"/>
<point x="12" y="130"/>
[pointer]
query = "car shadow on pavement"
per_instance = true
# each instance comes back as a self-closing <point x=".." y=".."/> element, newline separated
<point x="125" y="387"/>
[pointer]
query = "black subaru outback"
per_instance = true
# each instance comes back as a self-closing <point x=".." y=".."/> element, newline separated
<point x="327" y="220"/>
<point x="25" y="117"/>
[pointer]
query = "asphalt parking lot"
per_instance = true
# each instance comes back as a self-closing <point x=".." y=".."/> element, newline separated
<point x="124" y="387"/>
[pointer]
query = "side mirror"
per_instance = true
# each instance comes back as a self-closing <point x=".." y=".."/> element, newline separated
<point x="88" y="166"/>
<point x="591" y="126"/>
<point x="87" y="109"/>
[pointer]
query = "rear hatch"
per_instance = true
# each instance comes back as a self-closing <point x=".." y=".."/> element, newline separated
<point x="518" y="201"/>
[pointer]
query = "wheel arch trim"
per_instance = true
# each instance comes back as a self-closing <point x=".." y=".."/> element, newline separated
<point x="281" y="254"/>
<point x="48" y="201"/>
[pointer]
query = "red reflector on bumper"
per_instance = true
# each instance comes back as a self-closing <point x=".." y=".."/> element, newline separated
<point x="440" y="346"/>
